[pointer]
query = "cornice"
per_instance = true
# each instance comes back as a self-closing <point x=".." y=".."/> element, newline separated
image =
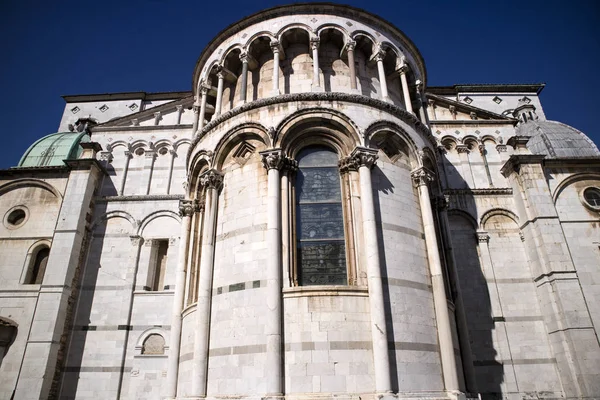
<point x="316" y="96"/>
<point x="473" y="122"/>
<point x="152" y="197"/>
<point x="488" y="88"/>
<point x="573" y="162"/>
<point x="140" y="128"/>
<point x="148" y="113"/>
<point x="479" y="192"/>
<point x="469" y="108"/>
<point x="81" y="98"/>
<point x="516" y="160"/>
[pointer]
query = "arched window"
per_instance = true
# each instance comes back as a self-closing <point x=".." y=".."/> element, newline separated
<point x="37" y="268"/>
<point x="321" y="249"/>
<point x="154" y="344"/>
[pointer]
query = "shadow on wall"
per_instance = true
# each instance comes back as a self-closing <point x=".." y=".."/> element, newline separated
<point x="81" y="325"/>
<point x="384" y="185"/>
<point x="463" y="260"/>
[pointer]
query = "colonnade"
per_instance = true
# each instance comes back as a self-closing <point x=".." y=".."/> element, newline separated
<point x="246" y="60"/>
<point x="275" y="161"/>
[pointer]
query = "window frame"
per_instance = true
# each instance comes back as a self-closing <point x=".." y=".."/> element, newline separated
<point x="347" y="220"/>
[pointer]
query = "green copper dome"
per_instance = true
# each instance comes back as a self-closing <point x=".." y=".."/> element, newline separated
<point x="51" y="150"/>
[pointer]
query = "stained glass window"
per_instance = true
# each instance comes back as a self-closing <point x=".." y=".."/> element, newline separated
<point x="319" y="219"/>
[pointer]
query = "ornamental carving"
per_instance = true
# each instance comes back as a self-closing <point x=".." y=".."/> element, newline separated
<point x="441" y="202"/>
<point x="482" y="237"/>
<point x="290" y="165"/>
<point x="273" y="159"/>
<point x="212" y="179"/>
<point x="347" y="164"/>
<point x="136" y="240"/>
<point x="186" y="208"/>
<point x="422" y="177"/>
<point x="364" y="157"/>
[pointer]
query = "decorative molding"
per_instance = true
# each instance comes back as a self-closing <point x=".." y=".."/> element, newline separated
<point x="516" y="160"/>
<point x="152" y="197"/>
<point x="422" y="176"/>
<point x="441" y="202"/>
<point x="479" y="192"/>
<point x="273" y="159"/>
<point x="347" y="164"/>
<point x="390" y="108"/>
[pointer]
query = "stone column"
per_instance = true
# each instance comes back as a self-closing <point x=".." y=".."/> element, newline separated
<point x="212" y="180"/>
<point x="420" y="103"/>
<point x="379" y="56"/>
<point x="276" y="47"/>
<point x="186" y="210"/>
<point x="244" y="58"/>
<point x="196" y="109"/>
<point x="421" y="178"/>
<point x="149" y="157"/>
<point x="204" y="92"/>
<point x="173" y="155"/>
<point x="364" y="159"/>
<point x="290" y="168"/>
<point x="125" y="170"/>
<point x="221" y="79"/>
<point x="350" y="45"/>
<point x="179" y="109"/>
<point x="314" y="45"/>
<point x="273" y="160"/>
<point x="407" y="101"/>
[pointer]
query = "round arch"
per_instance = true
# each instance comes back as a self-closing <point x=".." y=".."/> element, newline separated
<point x="339" y="130"/>
<point x="237" y="134"/>
<point x="498" y="211"/>
<point x="156" y="214"/>
<point x="572" y="179"/>
<point x="115" y="214"/>
<point x="28" y="182"/>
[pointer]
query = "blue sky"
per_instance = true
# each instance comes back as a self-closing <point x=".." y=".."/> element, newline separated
<point x="75" y="47"/>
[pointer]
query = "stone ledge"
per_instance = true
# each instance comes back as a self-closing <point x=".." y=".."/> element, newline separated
<point x="325" y="290"/>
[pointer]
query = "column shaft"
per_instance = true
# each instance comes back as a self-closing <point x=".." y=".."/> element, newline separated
<point x="405" y="92"/>
<point x="273" y="161"/>
<point x="382" y="80"/>
<point x="244" y="88"/>
<point x="212" y="180"/>
<point x="219" y="102"/>
<point x="440" y="301"/>
<point x="125" y="170"/>
<point x="352" y="66"/>
<point x="202" y="108"/>
<point x="285" y="228"/>
<point x="275" y="71"/>
<point x="314" y="44"/>
<point x="186" y="210"/>
<point x="273" y="326"/>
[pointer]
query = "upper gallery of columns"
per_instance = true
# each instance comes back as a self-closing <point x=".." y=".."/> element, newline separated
<point x="313" y="44"/>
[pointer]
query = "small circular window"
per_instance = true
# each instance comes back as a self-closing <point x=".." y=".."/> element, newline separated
<point x="591" y="196"/>
<point x="15" y="217"/>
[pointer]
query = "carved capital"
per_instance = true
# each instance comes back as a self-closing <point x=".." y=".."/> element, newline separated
<point x="273" y="159"/>
<point x="422" y="177"/>
<point x="364" y="157"/>
<point x="196" y="109"/>
<point x="379" y="55"/>
<point x="244" y="57"/>
<point x="314" y="42"/>
<point x="350" y="45"/>
<point x="290" y="165"/>
<point x="212" y="179"/>
<point x="275" y="45"/>
<point x="347" y="164"/>
<point x="501" y="148"/>
<point x="403" y="69"/>
<point x="462" y="148"/>
<point x="136" y="240"/>
<point x="482" y="237"/>
<point x="106" y="156"/>
<point x="186" y="208"/>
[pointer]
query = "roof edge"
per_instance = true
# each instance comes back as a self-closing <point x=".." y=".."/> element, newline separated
<point x="72" y="98"/>
<point x="488" y="87"/>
